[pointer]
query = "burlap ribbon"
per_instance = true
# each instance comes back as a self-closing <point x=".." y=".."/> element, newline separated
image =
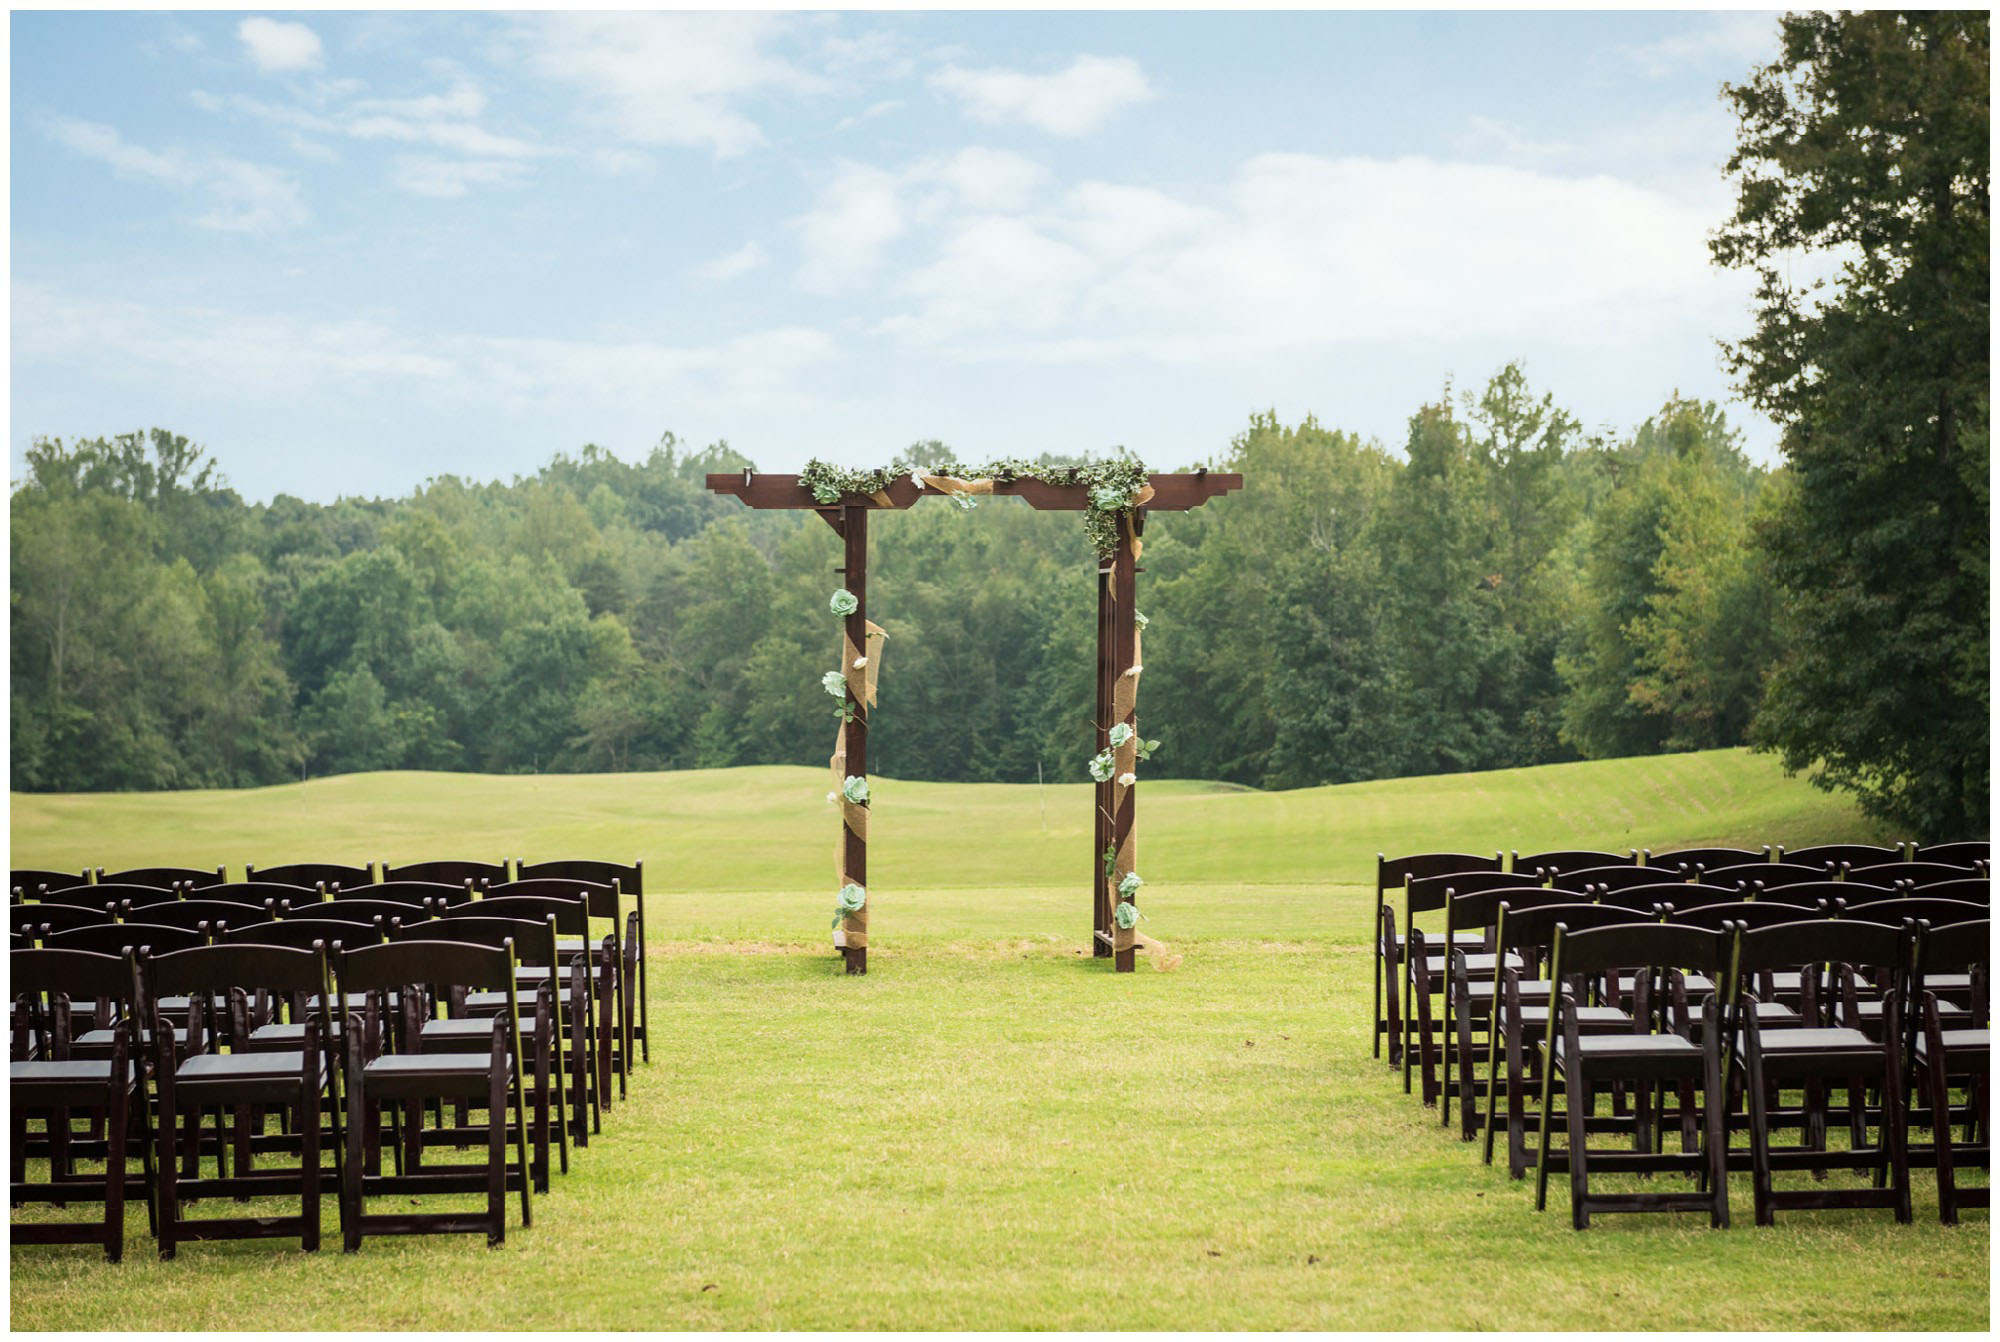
<point x="951" y="484"/>
<point x="853" y="929"/>
<point x="1125" y="760"/>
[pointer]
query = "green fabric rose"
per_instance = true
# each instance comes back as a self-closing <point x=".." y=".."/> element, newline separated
<point x="1119" y="734"/>
<point x="1130" y="885"/>
<point x="834" y="684"/>
<point x="1139" y="617"/>
<point x="844" y="602"/>
<point x="851" y="901"/>
<point x="1108" y="498"/>
<point x="855" y="789"/>
<point x="1126" y="916"/>
<point x="1102" y="765"/>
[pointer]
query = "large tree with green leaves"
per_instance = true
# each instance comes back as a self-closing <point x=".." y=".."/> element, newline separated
<point x="1864" y="148"/>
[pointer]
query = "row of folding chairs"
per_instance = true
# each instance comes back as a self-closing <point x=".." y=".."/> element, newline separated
<point x="336" y="879"/>
<point x="155" y="1024"/>
<point x="1726" y="1023"/>
<point x="1906" y="865"/>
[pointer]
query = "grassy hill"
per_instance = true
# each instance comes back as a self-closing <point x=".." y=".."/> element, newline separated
<point x="950" y="860"/>
<point x="990" y="1130"/>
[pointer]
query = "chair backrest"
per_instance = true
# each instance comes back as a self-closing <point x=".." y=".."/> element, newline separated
<point x="1821" y="941"/>
<point x="78" y="973"/>
<point x="450" y="871"/>
<point x="1428" y="893"/>
<point x="1962" y="853"/>
<point x="261" y="893"/>
<point x="630" y="880"/>
<point x="1946" y="947"/>
<point x="1977" y="890"/>
<point x="1769" y="875"/>
<point x="1894" y="911"/>
<point x="311" y="874"/>
<point x="305" y="933"/>
<point x="1643" y="898"/>
<point x="117" y="938"/>
<point x="1852" y="893"/>
<point x="1685" y="897"/>
<point x="1392" y="873"/>
<point x="417" y="960"/>
<point x="1532" y="928"/>
<point x="1804" y="895"/>
<point x="1691" y="861"/>
<point x="1720" y="916"/>
<point x="55" y="917"/>
<point x="1596" y="950"/>
<point x="534" y="942"/>
<point x="1615" y="877"/>
<point x="195" y="912"/>
<point x="1481" y="908"/>
<point x="1840" y="854"/>
<point x="165" y="878"/>
<point x="209" y="969"/>
<point x="87" y="896"/>
<point x="412" y="892"/>
<point x="361" y="912"/>
<point x="601" y="896"/>
<point x="1569" y="859"/>
<point x="1918" y="874"/>
<point x="30" y="879"/>
<point x="571" y="912"/>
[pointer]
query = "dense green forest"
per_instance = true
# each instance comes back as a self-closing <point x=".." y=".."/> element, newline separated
<point x="1504" y="590"/>
<point x="1499" y="588"/>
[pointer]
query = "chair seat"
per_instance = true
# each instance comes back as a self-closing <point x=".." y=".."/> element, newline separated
<point x="1947" y="1011"/>
<point x="491" y="1002"/>
<point x="1590" y="1017"/>
<point x="67" y="1072"/>
<point x="1467" y="940"/>
<point x="428" y="1064"/>
<point x="242" y="1067"/>
<point x="1817" y="1040"/>
<point x="1698" y="985"/>
<point x="102" y="1038"/>
<point x="1486" y="990"/>
<point x="1476" y="962"/>
<point x="1964" y="1048"/>
<point x="1630" y="1055"/>
<point x="270" y="1038"/>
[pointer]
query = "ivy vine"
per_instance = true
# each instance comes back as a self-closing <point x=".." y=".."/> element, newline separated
<point x="1112" y="486"/>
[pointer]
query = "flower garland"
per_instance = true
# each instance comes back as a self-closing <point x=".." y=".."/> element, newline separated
<point x="1114" y="487"/>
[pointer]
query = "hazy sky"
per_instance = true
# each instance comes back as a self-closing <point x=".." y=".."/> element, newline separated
<point x="351" y="251"/>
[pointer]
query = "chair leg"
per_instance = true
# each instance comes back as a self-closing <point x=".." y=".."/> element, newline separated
<point x="1542" y="1138"/>
<point x="496" y="1157"/>
<point x="309" y="1165"/>
<point x="168" y="1165"/>
<point x="1941" y="1137"/>
<point x="1579" y="1105"/>
<point x="1717" y="1124"/>
<point x="353" y="1172"/>
<point x="1760" y="1141"/>
<point x="1895" y="1136"/>
<point x="114" y="1175"/>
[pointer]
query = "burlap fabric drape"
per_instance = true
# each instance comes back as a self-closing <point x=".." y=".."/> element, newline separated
<point x="860" y="666"/>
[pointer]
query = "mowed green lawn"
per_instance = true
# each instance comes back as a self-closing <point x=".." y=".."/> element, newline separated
<point x="990" y="1130"/>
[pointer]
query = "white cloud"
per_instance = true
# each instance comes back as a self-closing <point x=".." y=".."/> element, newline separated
<point x="845" y="234"/>
<point x="1735" y="39"/>
<point x="275" y="45"/>
<point x="238" y="196"/>
<point x="667" y="79"/>
<point x="740" y="262"/>
<point x="292" y="360"/>
<point x="1295" y="252"/>
<point x="1071" y="102"/>
<point x="449" y="179"/>
<point x="849" y="228"/>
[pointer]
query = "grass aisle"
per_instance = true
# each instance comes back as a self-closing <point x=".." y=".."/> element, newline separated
<point x="990" y="1130"/>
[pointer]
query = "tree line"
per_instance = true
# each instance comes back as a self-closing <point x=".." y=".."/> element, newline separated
<point x="1506" y="590"/>
<point x="1503" y="588"/>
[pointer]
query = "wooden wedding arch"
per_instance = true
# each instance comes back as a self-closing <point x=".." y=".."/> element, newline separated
<point x="1117" y="647"/>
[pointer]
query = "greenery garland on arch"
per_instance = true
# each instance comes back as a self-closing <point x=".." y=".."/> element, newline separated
<point x="1113" y="486"/>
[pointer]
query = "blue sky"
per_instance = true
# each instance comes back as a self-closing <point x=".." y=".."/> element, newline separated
<point x="349" y="251"/>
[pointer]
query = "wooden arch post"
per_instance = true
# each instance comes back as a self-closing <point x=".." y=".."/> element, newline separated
<point x="1117" y="653"/>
